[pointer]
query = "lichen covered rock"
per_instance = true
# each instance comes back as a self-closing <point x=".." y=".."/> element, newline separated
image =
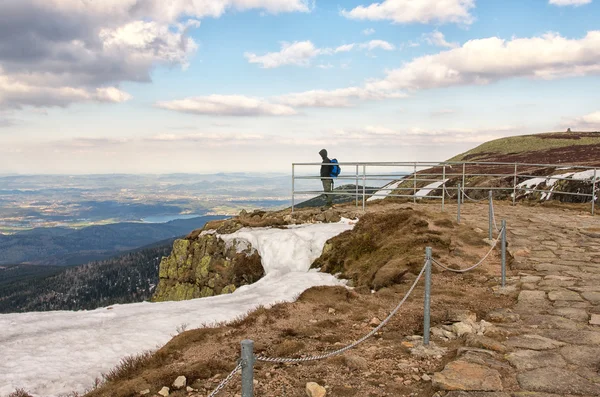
<point x="203" y="265"/>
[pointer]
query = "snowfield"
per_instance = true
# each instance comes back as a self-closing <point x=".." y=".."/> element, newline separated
<point x="52" y="353"/>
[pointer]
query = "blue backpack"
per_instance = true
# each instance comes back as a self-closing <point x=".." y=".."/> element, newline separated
<point x="335" y="169"/>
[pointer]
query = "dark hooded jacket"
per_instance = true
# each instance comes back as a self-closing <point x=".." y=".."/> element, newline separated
<point x="326" y="169"/>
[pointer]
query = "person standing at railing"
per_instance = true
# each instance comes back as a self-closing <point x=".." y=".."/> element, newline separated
<point x="326" y="179"/>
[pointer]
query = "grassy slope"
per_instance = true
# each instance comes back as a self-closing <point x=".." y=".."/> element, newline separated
<point x="570" y="148"/>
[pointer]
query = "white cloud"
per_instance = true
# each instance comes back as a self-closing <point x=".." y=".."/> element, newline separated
<point x="562" y="3"/>
<point x="368" y="32"/>
<point x="228" y="105"/>
<point x="325" y="66"/>
<point x="485" y="61"/>
<point x="65" y="50"/>
<point x="334" y="98"/>
<point x="297" y="53"/>
<point x="344" y="48"/>
<point x="437" y="38"/>
<point x="588" y="122"/>
<point x="373" y="44"/>
<point x="409" y="11"/>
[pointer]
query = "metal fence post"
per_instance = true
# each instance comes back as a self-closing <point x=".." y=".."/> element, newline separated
<point x="594" y="192"/>
<point x="426" y="307"/>
<point x="463" y="182"/>
<point x="458" y="202"/>
<point x="443" y="186"/>
<point x="356" y="185"/>
<point x="491" y="216"/>
<point x="247" y="368"/>
<point x="515" y="185"/>
<point x="293" y="179"/>
<point x="415" y="184"/>
<point x="503" y="245"/>
<point x="364" y="185"/>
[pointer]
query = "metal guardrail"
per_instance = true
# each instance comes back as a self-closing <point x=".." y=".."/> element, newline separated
<point x="419" y="179"/>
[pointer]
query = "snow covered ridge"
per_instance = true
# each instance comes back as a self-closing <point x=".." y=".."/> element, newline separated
<point x="533" y="184"/>
<point x="53" y="353"/>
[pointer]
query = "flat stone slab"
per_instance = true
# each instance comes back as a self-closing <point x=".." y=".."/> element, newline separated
<point x="583" y="356"/>
<point x="564" y="295"/>
<point x="592" y="296"/>
<point x="572" y="313"/>
<point x="530" y="279"/>
<point x="525" y="360"/>
<point x="550" y="322"/>
<point x="558" y="381"/>
<point x="574" y="337"/>
<point x="557" y="283"/>
<point x="534" y="342"/>
<point x="595" y="319"/>
<point x="462" y="375"/>
<point x="532" y="296"/>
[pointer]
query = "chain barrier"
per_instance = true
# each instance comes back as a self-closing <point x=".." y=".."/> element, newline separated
<point x="225" y="381"/>
<point x="475" y="265"/>
<point x="350" y="346"/>
<point x="472" y="199"/>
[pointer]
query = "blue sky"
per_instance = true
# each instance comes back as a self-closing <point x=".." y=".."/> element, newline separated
<point x="147" y="86"/>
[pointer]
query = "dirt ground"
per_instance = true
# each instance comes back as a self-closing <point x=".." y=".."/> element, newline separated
<point x="325" y="319"/>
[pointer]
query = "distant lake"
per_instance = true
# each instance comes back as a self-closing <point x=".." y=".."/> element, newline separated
<point x="166" y="218"/>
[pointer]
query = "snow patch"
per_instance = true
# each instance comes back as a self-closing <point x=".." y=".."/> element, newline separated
<point x="429" y="188"/>
<point x="52" y="353"/>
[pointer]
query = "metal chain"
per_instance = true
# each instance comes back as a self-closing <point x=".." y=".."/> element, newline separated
<point x="225" y="381"/>
<point x="475" y="265"/>
<point x="465" y="194"/>
<point x="350" y="346"/>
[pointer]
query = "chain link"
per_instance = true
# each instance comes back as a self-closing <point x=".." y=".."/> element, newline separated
<point x="475" y="265"/>
<point x="472" y="199"/>
<point x="225" y="381"/>
<point x="350" y="346"/>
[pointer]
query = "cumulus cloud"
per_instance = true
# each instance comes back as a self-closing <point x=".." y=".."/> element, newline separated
<point x="562" y="3"/>
<point x="485" y="61"/>
<point x="409" y="11"/>
<point x="344" y="48"/>
<point x="55" y="52"/>
<point x="228" y="105"/>
<point x="373" y="44"/>
<point x="437" y="38"/>
<point x="297" y="53"/>
<point x="590" y="121"/>
<point x="368" y="32"/>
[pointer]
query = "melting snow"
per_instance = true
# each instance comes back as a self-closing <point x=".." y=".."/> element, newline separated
<point x="52" y="353"/>
<point x="432" y="186"/>
<point x="384" y="191"/>
<point x="550" y="181"/>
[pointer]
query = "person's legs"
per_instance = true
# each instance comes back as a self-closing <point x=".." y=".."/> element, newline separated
<point x="327" y="188"/>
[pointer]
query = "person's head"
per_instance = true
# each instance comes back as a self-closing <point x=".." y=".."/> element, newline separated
<point x="323" y="153"/>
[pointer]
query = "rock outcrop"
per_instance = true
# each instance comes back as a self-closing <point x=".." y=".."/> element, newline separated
<point x="202" y="264"/>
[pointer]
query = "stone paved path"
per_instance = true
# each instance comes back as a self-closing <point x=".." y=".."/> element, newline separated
<point x="552" y="334"/>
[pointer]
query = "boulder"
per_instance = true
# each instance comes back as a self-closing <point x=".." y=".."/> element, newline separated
<point x="180" y="382"/>
<point x="164" y="391"/>
<point x="315" y="390"/>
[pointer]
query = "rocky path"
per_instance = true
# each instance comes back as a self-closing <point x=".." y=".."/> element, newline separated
<point x="549" y="343"/>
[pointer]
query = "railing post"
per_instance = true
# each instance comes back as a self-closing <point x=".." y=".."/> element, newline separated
<point x="415" y="184"/>
<point x="293" y="191"/>
<point x="594" y="192"/>
<point x="462" y="197"/>
<point x="356" y="185"/>
<point x="515" y="185"/>
<point x="491" y="216"/>
<point x="443" y="186"/>
<point x="458" y="202"/>
<point x="503" y="245"/>
<point x="426" y="307"/>
<point x="364" y="185"/>
<point x="247" y="368"/>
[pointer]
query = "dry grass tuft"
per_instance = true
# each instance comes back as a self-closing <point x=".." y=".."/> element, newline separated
<point x="20" y="393"/>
